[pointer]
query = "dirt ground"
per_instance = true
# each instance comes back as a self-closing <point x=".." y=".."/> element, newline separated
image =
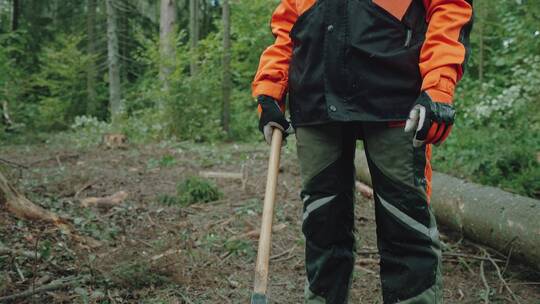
<point x="154" y="251"/>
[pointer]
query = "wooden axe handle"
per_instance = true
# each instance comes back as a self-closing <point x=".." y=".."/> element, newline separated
<point x="263" y="254"/>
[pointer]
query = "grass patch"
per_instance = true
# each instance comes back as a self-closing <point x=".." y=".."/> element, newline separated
<point x="190" y="191"/>
<point x="137" y="275"/>
<point x="197" y="190"/>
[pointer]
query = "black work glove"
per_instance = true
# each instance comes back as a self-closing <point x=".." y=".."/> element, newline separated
<point x="272" y="117"/>
<point x="432" y="121"/>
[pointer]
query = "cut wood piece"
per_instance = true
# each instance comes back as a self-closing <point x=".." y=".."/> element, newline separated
<point x="253" y="234"/>
<point x="487" y="215"/>
<point x="166" y="253"/>
<point x="114" y="141"/>
<point x="365" y="190"/>
<point x="107" y="202"/>
<point x="227" y="175"/>
<point x="224" y="175"/>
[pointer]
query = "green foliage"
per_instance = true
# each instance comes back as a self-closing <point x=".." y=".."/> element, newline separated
<point x="61" y="83"/>
<point x="191" y="109"/>
<point x="168" y="200"/>
<point x="240" y="247"/>
<point x="89" y="130"/>
<point x="164" y="162"/>
<point x="497" y="135"/>
<point x="197" y="190"/>
<point x="12" y="79"/>
<point x="137" y="274"/>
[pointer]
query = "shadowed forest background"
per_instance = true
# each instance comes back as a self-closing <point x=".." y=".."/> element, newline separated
<point x="56" y="78"/>
<point x="144" y="219"/>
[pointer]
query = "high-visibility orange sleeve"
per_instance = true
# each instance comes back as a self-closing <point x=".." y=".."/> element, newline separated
<point x="273" y="74"/>
<point x="444" y="51"/>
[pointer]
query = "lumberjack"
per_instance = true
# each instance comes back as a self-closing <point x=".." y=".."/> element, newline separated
<point x="384" y="72"/>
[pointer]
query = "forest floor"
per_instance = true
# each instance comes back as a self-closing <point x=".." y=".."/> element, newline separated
<point x="152" y="251"/>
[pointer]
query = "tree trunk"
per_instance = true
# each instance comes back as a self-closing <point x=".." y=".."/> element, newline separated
<point x="113" y="61"/>
<point x="166" y="46"/>
<point x="487" y="215"/>
<point x="123" y="34"/>
<point x="6" y="119"/>
<point x="15" y="14"/>
<point x="193" y="33"/>
<point x="481" y="48"/>
<point x="91" y="71"/>
<point x="227" y="83"/>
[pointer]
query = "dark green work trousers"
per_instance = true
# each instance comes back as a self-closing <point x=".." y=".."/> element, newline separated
<point x="407" y="235"/>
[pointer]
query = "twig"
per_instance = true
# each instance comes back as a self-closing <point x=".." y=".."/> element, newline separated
<point x="277" y="256"/>
<point x="58" y="161"/>
<point x="508" y="259"/>
<point x="109" y="296"/>
<point x="483" y="276"/>
<point x="463" y="262"/>
<point x="185" y="298"/>
<point x="501" y="278"/>
<point x="49" y="287"/>
<point x="364" y="269"/>
<point x="461" y="294"/>
<point x="524" y="283"/>
<point x="34" y="265"/>
<point x="67" y="156"/>
<point x="13" y="164"/>
<point x="223" y="175"/>
<point x="448" y="254"/>
<point x="145" y="243"/>
<point x="86" y="186"/>
<point x="26" y="254"/>
<point x="21" y="275"/>
<point x="368" y="261"/>
<point x="367" y="252"/>
<point x="468" y="256"/>
<point x="223" y="297"/>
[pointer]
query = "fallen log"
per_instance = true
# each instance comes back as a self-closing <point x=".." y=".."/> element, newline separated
<point x="21" y="207"/>
<point x="107" y="202"/>
<point x="487" y="215"/>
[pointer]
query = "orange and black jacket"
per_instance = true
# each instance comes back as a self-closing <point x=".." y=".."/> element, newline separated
<point x="363" y="60"/>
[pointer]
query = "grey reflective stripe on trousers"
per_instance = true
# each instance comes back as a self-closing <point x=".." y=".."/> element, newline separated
<point x="316" y="205"/>
<point x="310" y="297"/>
<point x="432" y="232"/>
<point x="432" y="294"/>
